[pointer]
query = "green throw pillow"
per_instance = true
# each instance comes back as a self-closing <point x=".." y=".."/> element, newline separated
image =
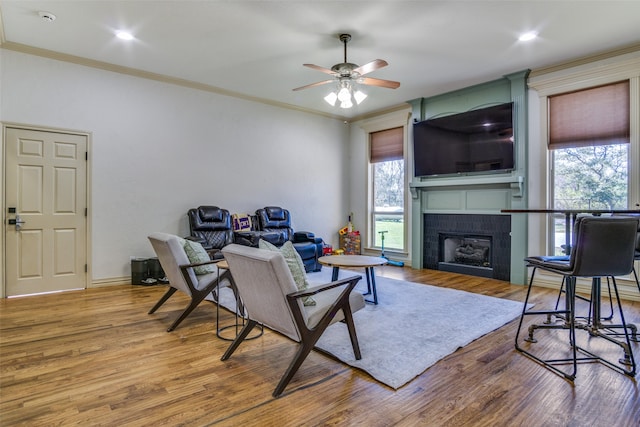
<point x="196" y="254"/>
<point x="294" y="262"/>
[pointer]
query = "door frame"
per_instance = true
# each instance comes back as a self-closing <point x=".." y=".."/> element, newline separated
<point x="88" y="135"/>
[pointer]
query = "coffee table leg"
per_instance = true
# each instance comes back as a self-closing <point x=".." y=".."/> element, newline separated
<point x="334" y="273"/>
<point x="371" y="284"/>
<point x="366" y="272"/>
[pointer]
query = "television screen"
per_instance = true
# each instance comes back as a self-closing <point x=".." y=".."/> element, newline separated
<point x="476" y="141"/>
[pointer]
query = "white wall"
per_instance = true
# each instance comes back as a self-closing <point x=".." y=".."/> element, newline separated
<point x="159" y="149"/>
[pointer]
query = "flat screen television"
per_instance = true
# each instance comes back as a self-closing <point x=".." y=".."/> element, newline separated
<point x="474" y="142"/>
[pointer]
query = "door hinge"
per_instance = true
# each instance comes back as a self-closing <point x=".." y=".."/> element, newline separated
<point x="85" y="211"/>
<point x="86" y="155"/>
<point x="86" y="268"/>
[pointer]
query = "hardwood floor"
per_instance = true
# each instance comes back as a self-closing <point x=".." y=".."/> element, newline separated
<point x="95" y="357"/>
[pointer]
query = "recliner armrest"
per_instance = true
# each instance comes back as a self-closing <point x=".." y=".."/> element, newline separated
<point x="305" y="236"/>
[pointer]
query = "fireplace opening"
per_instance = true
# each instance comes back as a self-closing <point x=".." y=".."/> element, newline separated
<point x="492" y="231"/>
<point x="467" y="254"/>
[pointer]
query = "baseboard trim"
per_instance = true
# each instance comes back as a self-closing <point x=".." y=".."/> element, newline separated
<point x="113" y="281"/>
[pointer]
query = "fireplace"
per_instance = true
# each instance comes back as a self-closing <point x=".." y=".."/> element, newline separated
<point x="478" y="245"/>
<point x="465" y="253"/>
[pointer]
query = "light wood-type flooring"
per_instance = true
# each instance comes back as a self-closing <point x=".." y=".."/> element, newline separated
<point x="95" y="357"/>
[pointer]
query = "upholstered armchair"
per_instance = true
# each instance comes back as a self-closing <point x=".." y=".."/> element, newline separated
<point x="211" y="227"/>
<point x="196" y="279"/>
<point x="277" y="220"/>
<point x="271" y="298"/>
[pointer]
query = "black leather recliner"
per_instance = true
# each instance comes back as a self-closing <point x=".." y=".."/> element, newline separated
<point x="211" y="226"/>
<point x="274" y="219"/>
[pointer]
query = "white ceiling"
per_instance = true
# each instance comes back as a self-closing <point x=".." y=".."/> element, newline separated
<point x="257" y="48"/>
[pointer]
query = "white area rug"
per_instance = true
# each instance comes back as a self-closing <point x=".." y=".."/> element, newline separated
<point x="412" y="327"/>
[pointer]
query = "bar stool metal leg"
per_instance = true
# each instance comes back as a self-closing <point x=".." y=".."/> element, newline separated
<point x="568" y="323"/>
<point x="597" y="329"/>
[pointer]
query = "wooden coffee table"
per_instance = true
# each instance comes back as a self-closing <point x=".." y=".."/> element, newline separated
<point x="356" y="261"/>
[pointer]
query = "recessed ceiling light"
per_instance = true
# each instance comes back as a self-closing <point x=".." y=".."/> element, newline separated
<point x="124" y="35"/>
<point x="528" y="36"/>
<point x="47" y="16"/>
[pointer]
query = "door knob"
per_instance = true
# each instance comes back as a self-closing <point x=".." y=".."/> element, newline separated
<point x="17" y="222"/>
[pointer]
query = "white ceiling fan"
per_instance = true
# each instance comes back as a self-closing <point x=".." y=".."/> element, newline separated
<point x="347" y="75"/>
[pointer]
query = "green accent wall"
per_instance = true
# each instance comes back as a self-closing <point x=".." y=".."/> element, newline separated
<point x="476" y="194"/>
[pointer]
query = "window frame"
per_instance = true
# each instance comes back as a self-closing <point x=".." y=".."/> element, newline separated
<point x="581" y="74"/>
<point x="389" y="121"/>
<point x="583" y="124"/>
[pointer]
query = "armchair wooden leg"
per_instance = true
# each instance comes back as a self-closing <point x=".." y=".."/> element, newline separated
<point x="351" y="327"/>
<point x="241" y="336"/>
<point x="185" y="313"/>
<point x="309" y="340"/>
<point x="162" y="300"/>
<point x="303" y="351"/>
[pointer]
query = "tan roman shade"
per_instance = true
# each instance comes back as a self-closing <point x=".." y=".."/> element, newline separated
<point x="387" y="145"/>
<point x="594" y="116"/>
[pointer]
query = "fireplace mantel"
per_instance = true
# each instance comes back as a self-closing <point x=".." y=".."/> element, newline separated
<point x="514" y="182"/>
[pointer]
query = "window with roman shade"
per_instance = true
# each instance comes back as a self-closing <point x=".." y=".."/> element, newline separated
<point x="589" y="117"/>
<point x="589" y="139"/>
<point x="386" y="210"/>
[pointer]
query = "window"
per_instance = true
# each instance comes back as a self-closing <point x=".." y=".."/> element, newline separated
<point x="589" y="137"/>
<point x="388" y="189"/>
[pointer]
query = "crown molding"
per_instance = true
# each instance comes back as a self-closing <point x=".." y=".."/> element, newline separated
<point x="106" y="66"/>
<point x="585" y="60"/>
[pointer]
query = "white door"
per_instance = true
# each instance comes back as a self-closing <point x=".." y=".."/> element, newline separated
<point x="46" y="224"/>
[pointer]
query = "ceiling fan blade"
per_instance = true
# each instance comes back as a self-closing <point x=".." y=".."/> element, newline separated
<point x="371" y="66"/>
<point x="315" y="84"/>
<point x="379" y="82"/>
<point x="319" y="68"/>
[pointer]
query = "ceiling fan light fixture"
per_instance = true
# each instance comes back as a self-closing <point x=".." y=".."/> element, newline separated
<point x="359" y="96"/>
<point x="331" y="98"/>
<point x="346" y="103"/>
<point x="344" y="94"/>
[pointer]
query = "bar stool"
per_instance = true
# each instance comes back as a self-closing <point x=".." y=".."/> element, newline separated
<point x="603" y="248"/>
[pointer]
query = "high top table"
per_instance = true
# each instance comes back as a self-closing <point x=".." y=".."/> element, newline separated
<point x="356" y="261"/>
<point x="570" y="216"/>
